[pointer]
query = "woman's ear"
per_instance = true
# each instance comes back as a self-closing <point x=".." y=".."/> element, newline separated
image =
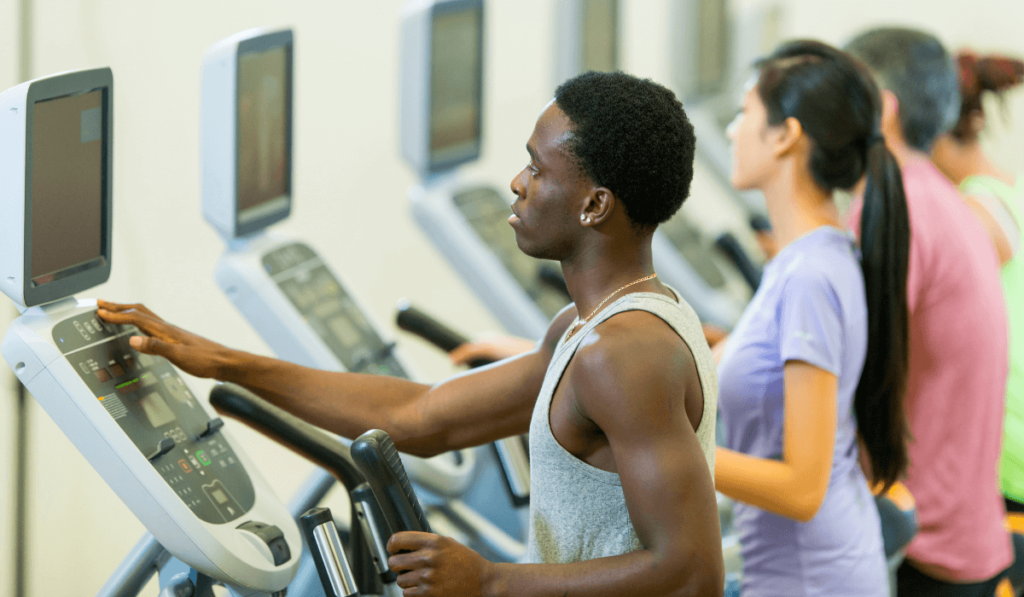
<point x="791" y="132"/>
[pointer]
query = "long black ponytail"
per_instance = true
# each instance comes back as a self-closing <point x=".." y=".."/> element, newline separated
<point x="838" y="105"/>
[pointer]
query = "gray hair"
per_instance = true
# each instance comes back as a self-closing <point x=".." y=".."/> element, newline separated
<point x="918" y="70"/>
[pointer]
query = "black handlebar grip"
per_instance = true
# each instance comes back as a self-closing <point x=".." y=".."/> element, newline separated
<point x="760" y="223"/>
<point x="285" y="428"/>
<point x="751" y="273"/>
<point x="377" y="458"/>
<point x="551" y="276"/>
<point x="417" y="322"/>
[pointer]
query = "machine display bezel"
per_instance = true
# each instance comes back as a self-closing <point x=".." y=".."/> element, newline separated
<point x="472" y="151"/>
<point x="255" y="45"/>
<point x="73" y="281"/>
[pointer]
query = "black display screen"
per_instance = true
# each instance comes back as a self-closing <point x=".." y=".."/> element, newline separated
<point x="264" y="115"/>
<point x="455" y="89"/>
<point x="67" y="186"/>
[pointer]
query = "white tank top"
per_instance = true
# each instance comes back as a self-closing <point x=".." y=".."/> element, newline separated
<point x="577" y="511"/>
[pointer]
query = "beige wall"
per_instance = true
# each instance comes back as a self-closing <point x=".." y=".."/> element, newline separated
<point x="350" y="185"/>
<point x="990" y="26"/>
<point x="8" y="77"/>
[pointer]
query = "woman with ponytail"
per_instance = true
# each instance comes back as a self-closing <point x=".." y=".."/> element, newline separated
<point x="997" y="197"/>
<point x="816" y="368"/>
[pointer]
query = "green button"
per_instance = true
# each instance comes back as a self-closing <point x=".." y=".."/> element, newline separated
<point x="202" y="458"/>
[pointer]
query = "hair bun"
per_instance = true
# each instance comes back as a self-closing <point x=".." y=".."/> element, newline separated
<point x="993" y="72"/>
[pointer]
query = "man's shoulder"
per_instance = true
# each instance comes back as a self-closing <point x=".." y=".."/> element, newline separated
<point x="635" y="349"/>
<point x="622" y="336"/>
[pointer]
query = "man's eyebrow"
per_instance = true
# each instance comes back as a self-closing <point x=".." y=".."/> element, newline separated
<point x="533" y="154"/>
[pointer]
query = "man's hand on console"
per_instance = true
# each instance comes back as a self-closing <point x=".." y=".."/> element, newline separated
<point x="432" y="565"/>
<point x="191" y="353"/>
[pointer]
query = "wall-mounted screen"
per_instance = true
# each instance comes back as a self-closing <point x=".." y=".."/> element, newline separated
<point x="713" y="46"/>
<point x="455" y="89"/>
<point x="67" y="186"/>
<point x="264" y="135"/>
<point x="600" y="43"/>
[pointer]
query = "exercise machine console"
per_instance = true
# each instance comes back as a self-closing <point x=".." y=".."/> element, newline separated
<point x="130" y="415"/>
<point x="282" y="286"/>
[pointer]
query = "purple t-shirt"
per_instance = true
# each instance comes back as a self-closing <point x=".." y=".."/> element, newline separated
<point x="810" y="307"/>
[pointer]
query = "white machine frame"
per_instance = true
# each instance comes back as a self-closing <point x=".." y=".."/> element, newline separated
<point x="215" y="550"/>
<point x="17" y="106"/>
<point x="219" y="127"/>
<point x="415" y="83"/>
<point x="221" y="551"/>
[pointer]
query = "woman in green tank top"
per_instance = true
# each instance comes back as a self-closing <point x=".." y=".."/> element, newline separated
<point x="997" y="197"/>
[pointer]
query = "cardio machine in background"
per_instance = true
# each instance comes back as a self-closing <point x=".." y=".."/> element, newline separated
<point x="441" y="123"/>
<point x="286" y="290"/>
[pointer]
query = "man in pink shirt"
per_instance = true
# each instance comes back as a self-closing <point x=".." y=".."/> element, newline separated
<point x="958" y="333"/>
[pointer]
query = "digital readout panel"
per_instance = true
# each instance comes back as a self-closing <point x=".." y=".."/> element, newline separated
<point x="151" y="403"/>
<point x="329" y="310"/>
<point x="487" y="212"/>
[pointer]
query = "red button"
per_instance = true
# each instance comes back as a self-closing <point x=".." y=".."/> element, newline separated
<point x="184" y="465"/>
<point x="103" y="375"/>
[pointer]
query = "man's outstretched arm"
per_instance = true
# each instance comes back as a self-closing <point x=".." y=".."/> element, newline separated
<point x="467" y="410"/>
<point x="629" y="385"/>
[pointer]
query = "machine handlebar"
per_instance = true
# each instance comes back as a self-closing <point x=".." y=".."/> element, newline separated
<point x="285" y="428"/>
<point x="417" y="322"/>
<point x="751" y="273"/>
<point x="377" y="458"/>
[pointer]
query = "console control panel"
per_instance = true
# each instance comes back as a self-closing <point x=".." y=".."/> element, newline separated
<point x="151" y="403"/>
<point x="326" y="306"/>
<point x="487" y="213"/>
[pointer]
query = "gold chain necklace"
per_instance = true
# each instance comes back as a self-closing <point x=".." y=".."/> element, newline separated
<point x="601" y="304"/>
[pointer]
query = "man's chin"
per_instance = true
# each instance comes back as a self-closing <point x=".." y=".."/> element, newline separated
<point x="528" y="250"/>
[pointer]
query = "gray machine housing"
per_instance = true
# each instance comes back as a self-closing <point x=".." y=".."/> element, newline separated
<point x="219" y="147"/>
<point x="129" y="414"/>
<point x="17" y="106"/>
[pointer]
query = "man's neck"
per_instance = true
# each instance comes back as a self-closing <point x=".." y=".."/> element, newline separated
<point x="595" y="272"/>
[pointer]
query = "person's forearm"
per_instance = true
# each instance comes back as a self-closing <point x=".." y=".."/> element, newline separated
<point x="347" y="404"/>
<point x="636" y="573"/>
<point x="771" y="485"/>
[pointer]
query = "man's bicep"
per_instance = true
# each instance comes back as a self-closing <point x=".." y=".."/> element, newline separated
<point x="668" y="486"/>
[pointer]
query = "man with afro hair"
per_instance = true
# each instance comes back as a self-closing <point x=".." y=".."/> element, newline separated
<point x="619" y="398"/>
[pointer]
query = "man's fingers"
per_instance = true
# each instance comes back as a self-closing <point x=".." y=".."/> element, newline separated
<point x="112" y="307"/>
<point x="409" y="541"/>
<point x="150" y="324"/>
<point x="408" y="580"/>
<point x="411" y="560"/>
<point x="154" y="346"/>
